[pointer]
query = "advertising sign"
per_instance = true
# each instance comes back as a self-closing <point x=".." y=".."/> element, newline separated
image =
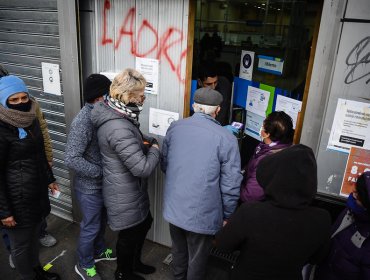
<point x="358" y="162"/>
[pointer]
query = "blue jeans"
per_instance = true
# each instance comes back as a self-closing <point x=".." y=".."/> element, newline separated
<point x="92" y="227"/>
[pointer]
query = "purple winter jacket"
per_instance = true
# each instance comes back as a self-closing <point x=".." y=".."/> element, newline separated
<point x="346" y="261"/>
<point x="251" y="190"/>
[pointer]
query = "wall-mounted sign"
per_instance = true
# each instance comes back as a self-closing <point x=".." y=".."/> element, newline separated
<point x="358" y="162"/>
<point x="149" y="68"/>
<point x="160" y="120"/>
<point x="246" y="65"/>
<point x="269" y="64"/>
<point x="351" y="126"/>
<point x="253" y="124"/>
<point x="290" y="106"/>
<point x="257" y="100"/>
<point x="51" y="78"/>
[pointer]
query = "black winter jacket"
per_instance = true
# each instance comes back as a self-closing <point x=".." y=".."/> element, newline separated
<point x="24" y="175"/>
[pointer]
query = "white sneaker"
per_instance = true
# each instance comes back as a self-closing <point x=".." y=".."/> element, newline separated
<point x="48" y="240"/>
<point x="11" y="263"/>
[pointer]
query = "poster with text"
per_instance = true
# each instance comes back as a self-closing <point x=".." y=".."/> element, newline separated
<point x="257" y="101"/>
<point x="246" y="65"/>
<point x="351" y="126"/>
<point x="253" y="124"/>
<point x="290" y="106"/>
<point x="160" y="120"/>
<point x="358" y="162"/>
<point x="149" y="68"/>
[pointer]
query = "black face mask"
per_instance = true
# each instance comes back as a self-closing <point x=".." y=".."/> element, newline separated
<point x="24" y="107"/>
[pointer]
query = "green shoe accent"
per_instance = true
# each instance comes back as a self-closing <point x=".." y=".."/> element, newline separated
<point x="107" y="255"/>
<point x="91" y="272"/>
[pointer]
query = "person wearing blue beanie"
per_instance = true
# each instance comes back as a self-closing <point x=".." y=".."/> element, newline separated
<point x="25" y="176"/>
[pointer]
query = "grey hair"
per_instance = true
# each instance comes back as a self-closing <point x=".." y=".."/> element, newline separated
<point x="127" y="85"/>
<point x="206" y="109"/>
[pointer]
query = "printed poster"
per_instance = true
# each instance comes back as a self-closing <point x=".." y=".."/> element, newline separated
<point x="149" y="68"/>
<point x="351" y="126"/>
<point x="246" y="65"/>
<point x="290" y="106"/>
<point x="253" y="125"/>
<point x="160" y="120"/>
<point x="358" y="162"/>
<point x="257" y="101"/>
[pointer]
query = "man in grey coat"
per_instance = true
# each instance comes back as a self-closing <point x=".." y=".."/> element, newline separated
<point x="82" y="155"/>
<point x="202" y="165"/>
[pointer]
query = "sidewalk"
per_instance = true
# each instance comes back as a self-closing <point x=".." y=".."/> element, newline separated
<point x="67" y="234"/>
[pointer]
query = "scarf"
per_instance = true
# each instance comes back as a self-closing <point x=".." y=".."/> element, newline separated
<point x="131" y="110"/>
<point x="18" y="119"/>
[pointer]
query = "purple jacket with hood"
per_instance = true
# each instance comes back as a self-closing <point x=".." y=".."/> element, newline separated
<point x="250" y="189"/>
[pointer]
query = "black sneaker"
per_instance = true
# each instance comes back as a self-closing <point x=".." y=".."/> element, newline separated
<point x="118" y="275"/>
<point x="144" y="268"/>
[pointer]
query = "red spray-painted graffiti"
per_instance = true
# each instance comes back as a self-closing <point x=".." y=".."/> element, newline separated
<point x="161" y="45"/>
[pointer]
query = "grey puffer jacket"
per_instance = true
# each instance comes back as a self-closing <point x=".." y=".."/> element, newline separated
<point x="126" y="162"/>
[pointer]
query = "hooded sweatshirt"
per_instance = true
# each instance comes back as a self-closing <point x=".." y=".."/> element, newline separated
<point x="278" y="236"/>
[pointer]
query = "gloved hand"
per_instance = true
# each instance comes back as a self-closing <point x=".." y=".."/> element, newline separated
<point x="232" y="129"/>
<point x="150" y="141"/>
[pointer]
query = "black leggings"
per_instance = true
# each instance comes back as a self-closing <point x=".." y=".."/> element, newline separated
<point x="129" y="244"/>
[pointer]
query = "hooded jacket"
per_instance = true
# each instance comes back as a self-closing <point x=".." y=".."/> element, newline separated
<point x="278" y="236"/>
<point x="251" y="190"/>
<point x="126" y="163"/>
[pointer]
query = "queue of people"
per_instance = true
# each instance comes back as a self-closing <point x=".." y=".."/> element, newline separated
<point x="267" y="216"/>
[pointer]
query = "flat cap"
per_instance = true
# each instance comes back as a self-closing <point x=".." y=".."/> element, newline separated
<point x="207" y="96"/>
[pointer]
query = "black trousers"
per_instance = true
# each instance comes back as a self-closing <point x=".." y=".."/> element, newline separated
<point x="24" y="243"/>
<point x="129" y="245"/>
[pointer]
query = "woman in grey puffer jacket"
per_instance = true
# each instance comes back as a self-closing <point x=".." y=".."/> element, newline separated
<point x="128" y="158"/>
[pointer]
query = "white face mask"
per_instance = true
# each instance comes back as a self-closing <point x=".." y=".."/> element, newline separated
<point x="262" y="138"/>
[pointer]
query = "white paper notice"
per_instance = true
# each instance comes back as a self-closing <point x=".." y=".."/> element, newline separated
<point x="257" y="101"/>
<point x="149" y="68"/>
<point x="290" y="106"/>
<point x="246" y="65"/>
<point x="351" y="126"/>
<point x="51" y="78"/>
<point x="160" y="120"/>
<point x="253" y="125"/>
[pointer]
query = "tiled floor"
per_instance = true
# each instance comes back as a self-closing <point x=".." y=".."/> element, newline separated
<point x="67" y="234"/>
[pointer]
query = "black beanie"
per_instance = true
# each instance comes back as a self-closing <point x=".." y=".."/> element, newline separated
<point x="96" y="85"/>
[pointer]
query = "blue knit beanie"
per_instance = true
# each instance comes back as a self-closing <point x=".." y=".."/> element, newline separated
<point x="10" y="85"/>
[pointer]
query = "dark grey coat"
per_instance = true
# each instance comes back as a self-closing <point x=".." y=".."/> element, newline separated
<point x="126" y="164"/>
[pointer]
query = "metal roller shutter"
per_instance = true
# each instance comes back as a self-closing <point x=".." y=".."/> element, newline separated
<point x="29" y="35"/>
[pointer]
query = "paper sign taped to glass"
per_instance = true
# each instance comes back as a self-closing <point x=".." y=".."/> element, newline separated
<point x="160" y="120"/>
<point x="351" y="126"/>
<point x="358" y="162"/>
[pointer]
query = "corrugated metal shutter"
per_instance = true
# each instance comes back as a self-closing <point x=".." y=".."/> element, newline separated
<point x="159" y="30"/>
<point x="29" y="35"/>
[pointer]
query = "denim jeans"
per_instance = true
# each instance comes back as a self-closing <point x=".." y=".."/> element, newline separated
<point x="92" y="227"/>
<point x="24" y="244"/>
<point x="190" y="253"/>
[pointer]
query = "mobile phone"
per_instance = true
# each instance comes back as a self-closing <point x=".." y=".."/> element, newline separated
<point x="237" y="125"/>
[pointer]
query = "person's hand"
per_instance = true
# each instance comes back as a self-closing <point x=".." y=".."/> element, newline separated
<point x="224" y="223"/>
<point x="9" y="222"/>
<point x="232" y="129"/>
<point x="50" y="164"/>
<point x="53" y="187"/>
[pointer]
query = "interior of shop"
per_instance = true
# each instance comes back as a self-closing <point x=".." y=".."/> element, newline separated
<point x="282" y="30"/>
